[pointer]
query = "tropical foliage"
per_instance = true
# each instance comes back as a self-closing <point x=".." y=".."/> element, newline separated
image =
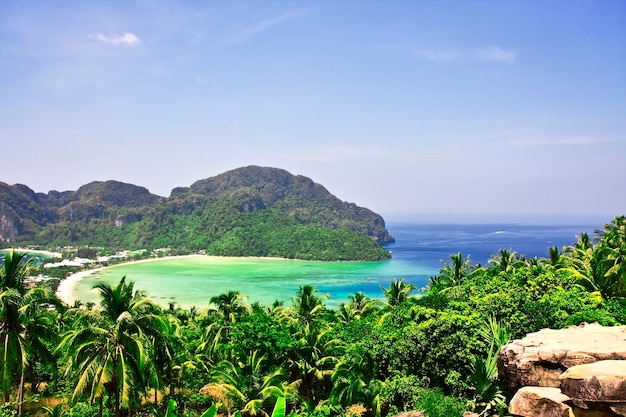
<point x="434" y="351"/>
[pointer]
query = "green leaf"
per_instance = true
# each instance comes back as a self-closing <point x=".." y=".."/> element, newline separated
<point x="171" y="409"/>
<point x="280" y="407"/>
<point x="210" y="412"/>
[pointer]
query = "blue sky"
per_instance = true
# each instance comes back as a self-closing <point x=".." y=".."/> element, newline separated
<point x="504" y="107"/>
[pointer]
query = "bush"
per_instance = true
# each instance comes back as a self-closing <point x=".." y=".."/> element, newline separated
<point x="402" y="394"/>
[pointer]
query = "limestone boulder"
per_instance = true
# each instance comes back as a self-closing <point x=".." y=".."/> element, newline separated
<point x="599" y="382"/>
<point x="539" y="402"/>
<point x="541" y="357"/>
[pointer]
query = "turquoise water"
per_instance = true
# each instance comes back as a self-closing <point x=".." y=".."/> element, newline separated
<point x="193" y="281"/>
<point x="416" y="256"/>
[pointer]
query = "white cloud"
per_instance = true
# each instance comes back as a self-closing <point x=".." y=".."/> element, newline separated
<point x="492" y="54"/>
<point x="260" y="27"/>
<point x="439" y="55"/>
<point x="495" y="53"/>
<point x="127" y="38"/>
<point x="580" y="140"/>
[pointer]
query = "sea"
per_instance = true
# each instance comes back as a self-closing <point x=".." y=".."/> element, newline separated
<point x="417" y="255"/>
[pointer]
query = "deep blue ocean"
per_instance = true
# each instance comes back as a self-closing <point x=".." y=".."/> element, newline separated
<point x="419" y="249"/>
<point x="429" y="243"/>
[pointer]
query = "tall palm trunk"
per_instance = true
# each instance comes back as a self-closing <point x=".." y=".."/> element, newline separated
<point x="20" y="394"/>
<point x="117" y="402"/>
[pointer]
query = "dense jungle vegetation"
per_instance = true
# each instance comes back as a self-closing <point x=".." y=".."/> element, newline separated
<point x="433" y="352"/>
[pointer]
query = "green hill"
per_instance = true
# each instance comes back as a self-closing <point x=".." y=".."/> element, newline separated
<point x="250" y="211"/>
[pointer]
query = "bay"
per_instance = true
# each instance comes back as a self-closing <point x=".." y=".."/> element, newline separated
<point x="416" y="256"/>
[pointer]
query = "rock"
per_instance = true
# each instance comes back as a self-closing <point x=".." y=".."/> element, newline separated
<point x="539" y="402"/>
<point x="599" y="382"/>
<point x="541" y="357"/>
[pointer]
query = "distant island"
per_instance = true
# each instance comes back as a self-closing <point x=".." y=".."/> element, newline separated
<point x="249" y="211"/>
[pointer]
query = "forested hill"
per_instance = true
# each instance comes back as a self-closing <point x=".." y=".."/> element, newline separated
<point x="250" y="211"/>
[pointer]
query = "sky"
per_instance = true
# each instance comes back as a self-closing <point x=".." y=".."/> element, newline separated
<point x="429" y="107"/>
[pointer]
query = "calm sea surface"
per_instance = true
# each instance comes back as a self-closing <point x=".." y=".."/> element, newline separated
<point x="416" y="256"/>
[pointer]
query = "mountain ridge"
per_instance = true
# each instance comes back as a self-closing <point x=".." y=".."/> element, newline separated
<point x="220" y="214"/>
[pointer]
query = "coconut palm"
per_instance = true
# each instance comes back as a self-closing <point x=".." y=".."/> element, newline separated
<point x="316" y="356"/>
<point x="504" y="260"/>
<point x="613" y="239"/>
<point x="354" y="380"/>
<point x="110" y="355"/>
<point x="398" y="292"/>
<point x="247" y="385"/>
<point x="601" y="267"/>
<point x="556" y="259"/>
<point x="307" y="304"/>
<point x="360" y="305"/>
<point x="452" y="274"/>
<point x="231" y="305"/>
<point x="25" y="323"/>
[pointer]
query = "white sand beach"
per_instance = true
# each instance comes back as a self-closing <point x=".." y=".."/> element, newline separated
<point x="66" y="287"/>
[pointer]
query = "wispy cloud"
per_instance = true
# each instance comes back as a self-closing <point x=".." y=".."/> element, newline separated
<point x="127" y="38"/>
<point x="495" y="53"/>
<point x="439" y="55"/>
<point x="490" y="54"/>
<point x="259" y="27"/>
<point x="537" y="142"/>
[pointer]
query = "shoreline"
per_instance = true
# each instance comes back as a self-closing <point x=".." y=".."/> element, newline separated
<point x="66" y="286"/>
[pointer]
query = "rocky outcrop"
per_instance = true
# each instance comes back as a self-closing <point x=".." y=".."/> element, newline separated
<point x="597" y="386"/>
<point x="540" y="358"/>
<point x="540" y="401"/>
<point x="576" y="371"/>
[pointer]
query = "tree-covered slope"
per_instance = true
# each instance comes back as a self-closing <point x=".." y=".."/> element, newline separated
<point x="250" y="211"/>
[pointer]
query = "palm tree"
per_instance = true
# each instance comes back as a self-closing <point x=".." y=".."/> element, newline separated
<point x="315" y="359"/>
<point x="613" y="240"/>
<point x="601" y="267"/>
<point x="110" y="355"/>
<point x="360" y="305"/>
<point x="555" y="259"/>
<point x="355" y="380"/>
<point x="398" y="292"/>
<point x="25" y="323"/>
<point x="307" y="304"/>
<point x="166" y="351"/>
<point x="247" y="385"/>
<point x="504" y="260"/>
<point x="230" y="305"/>
<point x="452" y="274"/>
